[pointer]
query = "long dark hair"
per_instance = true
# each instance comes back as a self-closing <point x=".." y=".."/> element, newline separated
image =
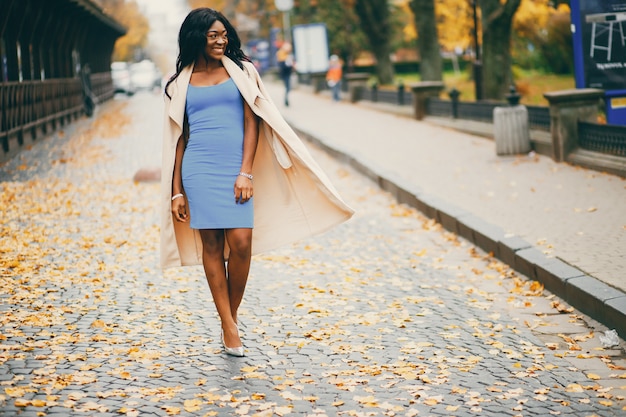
<point x="192" y="40"/>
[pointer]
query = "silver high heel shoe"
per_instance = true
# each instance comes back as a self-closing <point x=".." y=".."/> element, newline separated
<point x="236" y="351"/>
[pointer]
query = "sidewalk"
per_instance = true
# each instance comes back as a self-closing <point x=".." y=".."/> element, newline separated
<point x="562" y="225"/>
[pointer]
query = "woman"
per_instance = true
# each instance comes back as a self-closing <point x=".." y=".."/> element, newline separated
<point x="225" y="141"/>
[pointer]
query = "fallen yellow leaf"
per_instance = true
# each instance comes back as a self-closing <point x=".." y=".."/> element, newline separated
<point x="192" y="405"/>
<point x="172" y="411"/>
<point x="574" y="388"/>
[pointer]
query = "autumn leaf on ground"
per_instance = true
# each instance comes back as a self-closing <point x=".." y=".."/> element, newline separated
<point x="192" y="405"/>
<point x="561" y="308"/>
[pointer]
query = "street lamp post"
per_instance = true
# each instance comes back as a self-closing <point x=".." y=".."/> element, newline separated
<point x="477" y="64"/>
<point x="285" y="6"/>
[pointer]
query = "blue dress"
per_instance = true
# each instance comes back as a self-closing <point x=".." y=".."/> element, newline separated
<point x="212" y="158"/>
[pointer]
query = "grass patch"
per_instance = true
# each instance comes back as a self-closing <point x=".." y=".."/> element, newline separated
<point x="530" y="84"/>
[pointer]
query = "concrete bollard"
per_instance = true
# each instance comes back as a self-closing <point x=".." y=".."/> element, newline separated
<point x="422" y="91"/>
<point x="511" y="131"/>
<point x="567" y="108"/>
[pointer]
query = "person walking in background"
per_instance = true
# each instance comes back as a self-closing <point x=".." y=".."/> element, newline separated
<point x="89" y="99"/>
<point x="284" y="57"/>
<point x="219" y="137"/>
<point x="333" y="76"/>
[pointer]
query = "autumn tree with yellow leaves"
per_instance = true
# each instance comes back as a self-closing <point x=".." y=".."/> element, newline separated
<point x="128" y="14"/>
<point x="531" y="33"/>
<point x="542" y="37"/>
<point x="542" y="25"/>
<point x="226" y="7"/>
<point x="263" y="12"/>
<point x="346" y="38"/>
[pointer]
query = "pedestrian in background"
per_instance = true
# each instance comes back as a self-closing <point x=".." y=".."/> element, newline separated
<point x="285" y="60"/>
<point x="89" y="99"/>
<point x="333" y="76"/>
<point x="222" y="132"/>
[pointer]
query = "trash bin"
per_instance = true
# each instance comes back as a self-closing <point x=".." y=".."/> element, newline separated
<point x="318" y="80"/>
<point x="511" y="131"/>
<point x="357" y="82"/>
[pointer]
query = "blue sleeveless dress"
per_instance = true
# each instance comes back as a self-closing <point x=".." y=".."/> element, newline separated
<point x="212" y="158"/>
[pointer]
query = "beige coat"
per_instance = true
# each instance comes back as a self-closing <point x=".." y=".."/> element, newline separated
<point x="293" y="197"/>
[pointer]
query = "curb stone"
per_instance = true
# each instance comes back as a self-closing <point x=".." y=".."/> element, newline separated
<point x="598" y="300"/>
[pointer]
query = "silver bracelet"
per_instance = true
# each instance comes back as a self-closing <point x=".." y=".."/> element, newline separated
<point x="174" y="197"/>
<point x="249" y="176"/>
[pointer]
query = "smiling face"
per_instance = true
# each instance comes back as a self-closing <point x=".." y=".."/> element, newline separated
<point x="217" y="41"/>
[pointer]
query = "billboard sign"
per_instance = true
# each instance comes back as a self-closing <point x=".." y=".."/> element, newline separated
<point x="602" y="37"/>
<point x="310" y="44"/>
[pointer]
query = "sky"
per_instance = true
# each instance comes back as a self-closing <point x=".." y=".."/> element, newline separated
<point x="175" y="10"/>
<point x="165" y="17"/>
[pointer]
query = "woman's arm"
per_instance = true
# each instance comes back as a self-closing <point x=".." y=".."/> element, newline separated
<point x="243" y="184"/>
<point x="179" y="204"/>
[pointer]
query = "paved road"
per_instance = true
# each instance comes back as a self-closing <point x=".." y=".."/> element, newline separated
<point x="562" y="225"/>
<point x="565" y="211"/>
<point x="387" y="314"/>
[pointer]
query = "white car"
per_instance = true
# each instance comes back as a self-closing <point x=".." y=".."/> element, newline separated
<point x="145" y="75"/>
<point x="120" y="73"/>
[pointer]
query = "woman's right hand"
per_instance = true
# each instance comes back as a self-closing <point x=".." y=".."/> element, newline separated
<point x="179" y="209"/>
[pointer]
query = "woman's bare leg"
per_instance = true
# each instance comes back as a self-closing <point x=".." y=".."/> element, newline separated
<point x="215" y="271"/>
<point x="240" y="243"/>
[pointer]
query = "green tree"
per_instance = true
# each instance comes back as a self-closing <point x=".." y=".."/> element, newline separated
<point x="542" y="37"/>
<point x="497" y="23"/>
<point x="431" y="66"/>
<point x="374" y="17"/>
<point x="557" y="47"/>
<point x="345" y="36"/>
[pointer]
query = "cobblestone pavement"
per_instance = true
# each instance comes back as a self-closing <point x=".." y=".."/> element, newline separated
<point x="385" y="315"/>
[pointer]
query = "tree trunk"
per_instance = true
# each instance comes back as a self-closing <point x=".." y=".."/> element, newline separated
<point x="497" y="21"/>
<point x="431" y="66"/>
<point x="384" y="66"/>
<point x="374" y="17"/>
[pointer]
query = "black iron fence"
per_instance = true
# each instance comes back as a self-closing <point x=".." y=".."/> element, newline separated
<point x="38" y="106"/>
<point x="608" y="139"/>
<point x="482" y="111"/>
<point x="399" y="97"/>
<point x="539" y="117"/>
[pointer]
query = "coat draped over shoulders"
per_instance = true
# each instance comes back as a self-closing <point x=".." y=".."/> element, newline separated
<point x="293" y="197"/>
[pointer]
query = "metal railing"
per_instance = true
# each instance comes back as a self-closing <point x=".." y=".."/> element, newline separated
<point x="538" y="116"/>
<point x="399" y="97"/>
<point x="102" y="85"/>
<point x="31" y="105"/>
<point x="608" y="139"/>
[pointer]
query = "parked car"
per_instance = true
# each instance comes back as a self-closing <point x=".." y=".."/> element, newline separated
<point x="120" y="72"/>
<point x="145" y="75"/>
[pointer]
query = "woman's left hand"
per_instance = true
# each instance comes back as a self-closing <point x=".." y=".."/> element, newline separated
<point x="243" y="189"/>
